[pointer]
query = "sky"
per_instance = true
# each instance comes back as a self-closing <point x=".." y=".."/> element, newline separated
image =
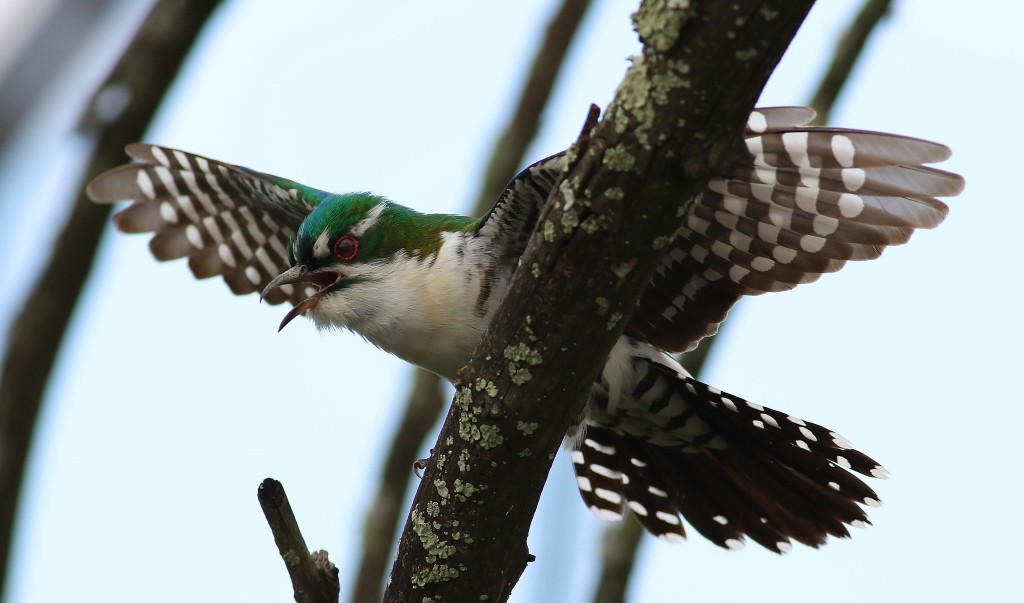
<point x="173" y="399"/>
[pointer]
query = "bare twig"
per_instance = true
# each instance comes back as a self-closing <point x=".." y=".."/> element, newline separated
<point x="622" y="540"/>
<point x="425" y="402"/>
<point x="314" y="577"/>
<point x="142" y="75"/>
<point x="465" y="538"/>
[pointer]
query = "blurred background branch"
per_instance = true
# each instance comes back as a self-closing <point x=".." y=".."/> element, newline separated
<point x="136" y="85"/>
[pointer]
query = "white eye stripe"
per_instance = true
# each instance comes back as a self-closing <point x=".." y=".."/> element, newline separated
<point x="321" y="248"/>
<point x="371" y="219"/>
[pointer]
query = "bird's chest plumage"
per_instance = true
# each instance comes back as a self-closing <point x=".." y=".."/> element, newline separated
<point x="428" y="309"/>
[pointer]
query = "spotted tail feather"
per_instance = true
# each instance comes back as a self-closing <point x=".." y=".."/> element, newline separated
<point x="740" y="470"/>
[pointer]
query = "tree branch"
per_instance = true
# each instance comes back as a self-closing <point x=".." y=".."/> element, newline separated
<point x="139" y="79"/>
<point x="675" y="123"/>
<point x="314" y="577"/>
<point x="424" y="401"/>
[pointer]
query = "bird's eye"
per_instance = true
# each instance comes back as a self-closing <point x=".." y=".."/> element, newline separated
<point x="346" y="248"/>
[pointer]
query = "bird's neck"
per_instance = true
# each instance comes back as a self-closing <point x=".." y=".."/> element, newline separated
<point x="429" y="309"/>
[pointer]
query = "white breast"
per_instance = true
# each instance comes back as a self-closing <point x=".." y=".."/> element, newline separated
<point x="423" y="310"/>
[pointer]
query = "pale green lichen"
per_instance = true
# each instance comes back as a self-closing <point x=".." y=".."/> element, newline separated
<point x="517" y="354"/>
<point x="664" y="83"/>
<point x="591" y="225"/>
<point x="435" y="546"/>
<point x="549" y="231"/>
<point x="570" y="220"/>
<point x="486" y="386"/>
<point x="442" y="488"/>
<point x="659" y="24"/>
<point x="468" y="430"/>
<point x="529" y="331"/>
<point x="463" y="461"/>
<point x="464" y="398"/>
<point x="433" y="509"/>
<point x="291" y="558"/>
<point x="570" y="157"/>
<point x="525" y="452"/>
<point x="535" y="270"/>
<point x="526" y="428"/>
<point x="615" y="193"/>
<point x="434" y="574"/>
<point x="490" y="436"/>
<point x="523" y="353"/>
<point x="619" y="159"/>
<point x="463" y="490"/>
<point x="768" y="13"/>
<point x="519" y="375"/>
<point x="614" y="320"/>
<point x="660" y="242"/>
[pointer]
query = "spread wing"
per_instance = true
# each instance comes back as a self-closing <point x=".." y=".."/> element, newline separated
<point x="227" y="220"/>
<point x="809" y="200"/>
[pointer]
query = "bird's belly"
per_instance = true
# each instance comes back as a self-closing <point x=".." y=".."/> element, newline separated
<point x="443" y="356"/>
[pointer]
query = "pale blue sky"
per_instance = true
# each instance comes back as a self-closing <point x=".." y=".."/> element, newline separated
<point x="156" y="430"/>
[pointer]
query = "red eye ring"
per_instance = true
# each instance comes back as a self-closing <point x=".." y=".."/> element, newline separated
<point x="346" y="248"/>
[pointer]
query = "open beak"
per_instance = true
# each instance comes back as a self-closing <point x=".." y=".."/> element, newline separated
<point x="325" y="280"/>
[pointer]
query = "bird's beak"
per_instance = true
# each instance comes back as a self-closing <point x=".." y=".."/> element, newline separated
<point x="325" y="280"/>
<point x="295" y="274"/>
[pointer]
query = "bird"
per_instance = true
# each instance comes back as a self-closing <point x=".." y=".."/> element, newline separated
<point x="652" y="439"/>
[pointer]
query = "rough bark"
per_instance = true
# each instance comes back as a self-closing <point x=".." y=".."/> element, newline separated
<point x="425" y="403"/>
<point x="675" y="122"/>
<point x="138" y="83"/>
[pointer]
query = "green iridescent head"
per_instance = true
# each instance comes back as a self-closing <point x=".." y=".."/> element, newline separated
<point x="362" y="227"/>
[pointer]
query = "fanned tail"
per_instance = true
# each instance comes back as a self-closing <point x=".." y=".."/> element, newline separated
<point x="738" y="469"/>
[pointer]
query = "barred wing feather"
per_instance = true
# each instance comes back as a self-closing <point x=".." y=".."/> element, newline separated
<point x="227" y="220"/>
<point x="810" y="200"/>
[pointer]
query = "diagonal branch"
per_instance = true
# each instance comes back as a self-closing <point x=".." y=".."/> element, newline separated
<point x="675" y="122"/>
<point x="140" y="78"/>
<point x="425" y="403"/>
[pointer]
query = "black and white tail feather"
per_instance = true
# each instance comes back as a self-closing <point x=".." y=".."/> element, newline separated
<point x="671" y="447"/>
